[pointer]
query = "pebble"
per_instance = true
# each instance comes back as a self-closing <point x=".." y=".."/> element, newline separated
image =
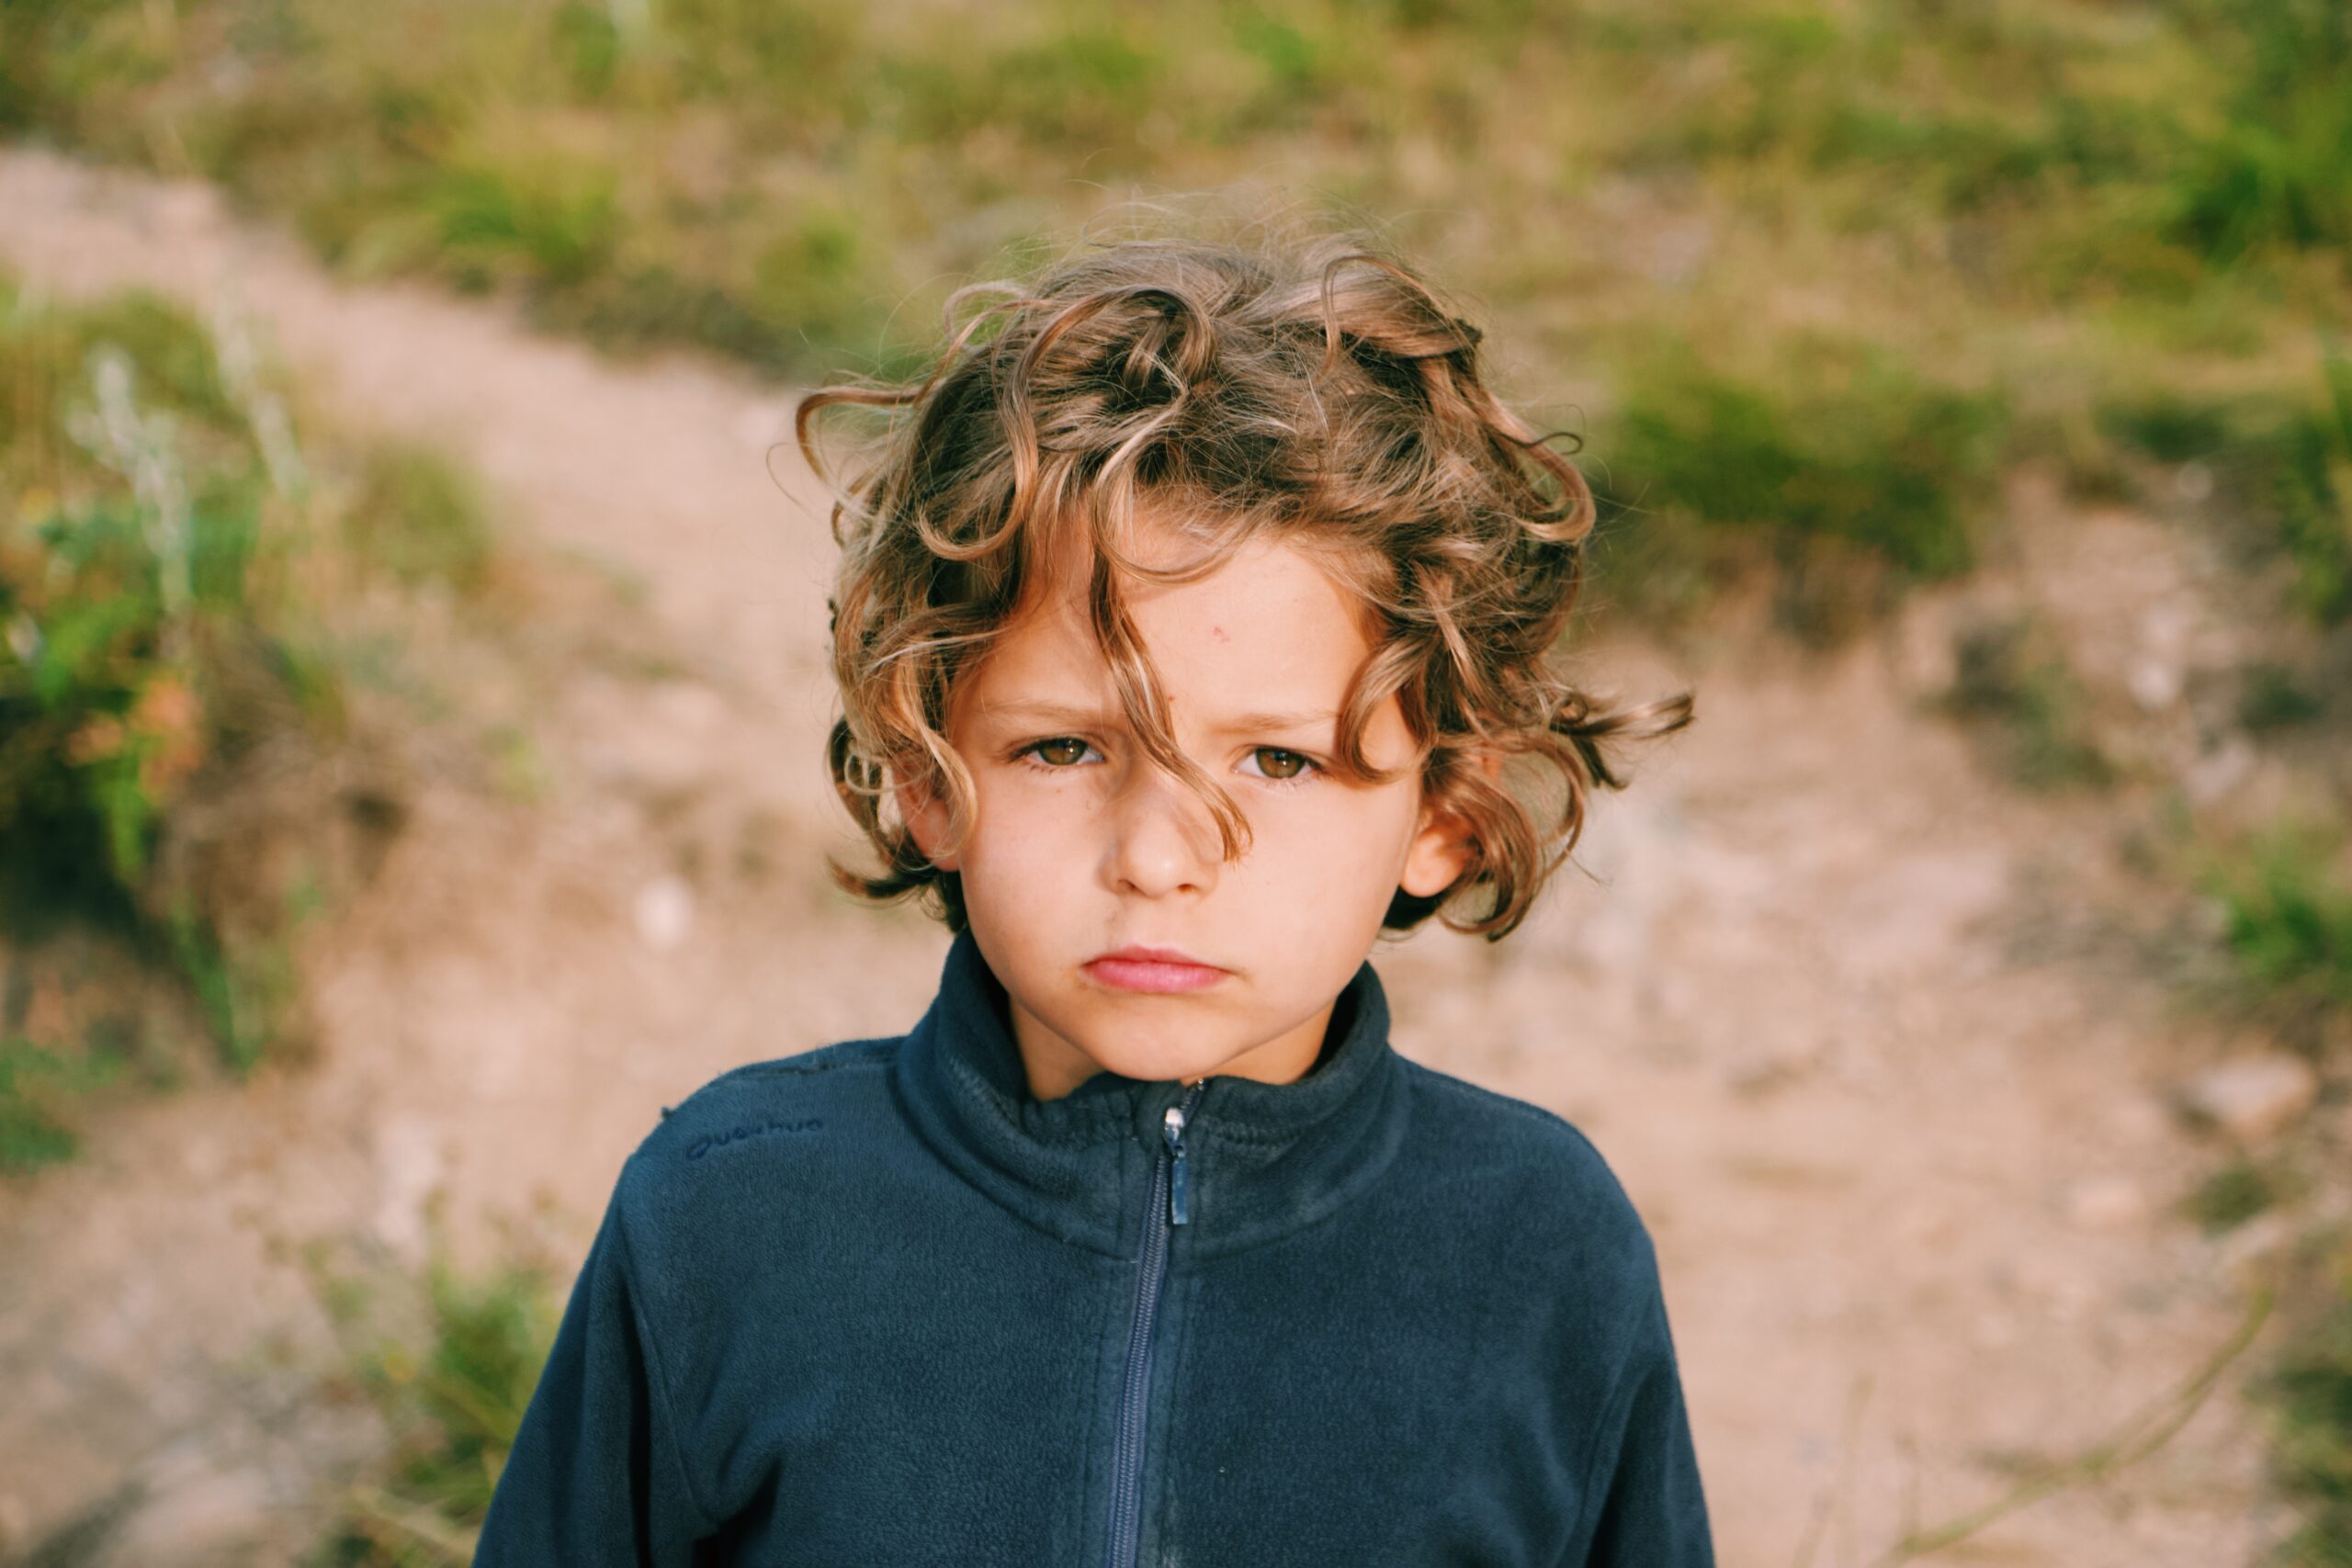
<point x="665" y="913"/>
<point x="2219" y="772"/>
<point x="409" y="1165"/>
<point x="2253" y="1096"/>
<point x="2155" y="684"/>
<point x="2105" y="1202"/>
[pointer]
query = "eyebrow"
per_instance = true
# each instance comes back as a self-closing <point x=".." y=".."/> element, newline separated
<point x="1081" y="717"/>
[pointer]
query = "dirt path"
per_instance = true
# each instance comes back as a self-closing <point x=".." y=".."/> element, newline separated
<point x="1837" y="1012"/>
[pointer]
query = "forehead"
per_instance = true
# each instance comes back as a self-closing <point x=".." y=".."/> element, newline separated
<point x="1269" y="629"/>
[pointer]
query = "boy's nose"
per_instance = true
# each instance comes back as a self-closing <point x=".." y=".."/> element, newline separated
<point x="1163" y="840"/>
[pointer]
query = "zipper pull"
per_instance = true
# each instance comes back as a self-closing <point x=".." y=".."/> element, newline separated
<point x="1171" y="1130"/>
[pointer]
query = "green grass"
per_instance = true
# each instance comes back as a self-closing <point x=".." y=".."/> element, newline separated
<point x="2276" y="698"/>
<point x="419" y="518"/>
<point x="1998" y="211"/>
<point x="449" y="1364"/>
<point x="38" y="1089"/>
<point x="2277" y="169"/>
<point x="2286" y="894"/>
<point x="2307" y="1392"/>
<point x="2010" y="680"/>
<point x="1857" y="476"/>
<point x="2283" y="464"/>
<point x="2234" y="1193"/>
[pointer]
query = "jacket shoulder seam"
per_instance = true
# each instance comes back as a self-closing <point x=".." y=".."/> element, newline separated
<point x="846" y="1053"/>
<point x="1580" y="1150"/>
<point x="657" y="1378"/>
<point x="1608" y="1439"/>
<point x="1487" y="1097"/>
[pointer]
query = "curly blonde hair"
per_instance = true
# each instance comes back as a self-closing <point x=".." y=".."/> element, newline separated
<point x="1316" y="393"/>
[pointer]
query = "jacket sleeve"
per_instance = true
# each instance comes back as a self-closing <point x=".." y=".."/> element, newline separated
<point x="595" y="1478"/>
<point x="1653" y="1510"/>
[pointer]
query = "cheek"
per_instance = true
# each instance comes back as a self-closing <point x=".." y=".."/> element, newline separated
<point x="1026" y="834"/>
<point x="1348" y="846"/>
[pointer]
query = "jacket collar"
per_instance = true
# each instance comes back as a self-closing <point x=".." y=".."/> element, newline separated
<point x="1264" y="1159"/>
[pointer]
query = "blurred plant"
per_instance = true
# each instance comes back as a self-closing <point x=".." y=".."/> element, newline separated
<point x="2315" y="490"/>
<point x="533" y="214"/>
<point x="451" y="1390"/>
<point x="2234" y="1193"/>
<point x="176" y="733"/>
<point x="2274" y="697"/>
<point x="2286" y="901"/>
<point x="2307" y="1389"/>
<point x="419" y="518"/>
<point x="2276" y="171"/>
<point x="2285" y="464"/>
<point x="37" y="1089"/>
<point x="124" y="589"/>
<point x="2008" y="672"/>
<point x="2283" y="897"/>
<point x="1854" y="477"/>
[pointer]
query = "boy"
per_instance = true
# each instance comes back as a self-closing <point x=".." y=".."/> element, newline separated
<point x="1184" y="631"/>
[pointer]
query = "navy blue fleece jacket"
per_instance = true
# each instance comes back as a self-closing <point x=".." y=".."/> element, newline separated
<point x="877" y="1305"/>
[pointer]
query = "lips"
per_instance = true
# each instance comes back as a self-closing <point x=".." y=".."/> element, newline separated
<point x="1152" y="969"/>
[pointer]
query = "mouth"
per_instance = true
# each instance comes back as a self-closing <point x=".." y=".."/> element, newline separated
<point x="1152" y="969"/>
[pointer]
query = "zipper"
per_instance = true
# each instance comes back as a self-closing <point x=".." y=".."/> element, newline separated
<point x="1166" y="1208"/>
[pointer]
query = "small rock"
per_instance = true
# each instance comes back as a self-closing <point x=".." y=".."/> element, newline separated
<point x="2105" y="1202"/>
<point x="2155" y="682"/>
<point x="2215" y="774"/>
<point x="2253" y="1096"/>
<point x="409" y="1165"/>
<point x="665" y="913"/>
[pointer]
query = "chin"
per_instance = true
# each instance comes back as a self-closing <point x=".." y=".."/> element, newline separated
<point x="1143" y="1059"/>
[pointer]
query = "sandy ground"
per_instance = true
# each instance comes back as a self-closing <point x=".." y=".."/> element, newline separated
<point x="1847" y="1015"/>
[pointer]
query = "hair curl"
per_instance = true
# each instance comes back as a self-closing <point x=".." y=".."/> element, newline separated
<point x="1319" y="393"/>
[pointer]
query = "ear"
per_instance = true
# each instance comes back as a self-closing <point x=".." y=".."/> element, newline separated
<point x="1443" y="847"/>
<point x="926" y="817"/>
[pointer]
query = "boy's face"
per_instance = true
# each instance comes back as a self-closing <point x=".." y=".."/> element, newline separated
<point x="1081" y="850"/>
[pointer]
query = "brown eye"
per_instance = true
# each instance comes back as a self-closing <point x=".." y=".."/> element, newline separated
<point x="1060" y="751"/>
<point x="1273" y="763"/>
